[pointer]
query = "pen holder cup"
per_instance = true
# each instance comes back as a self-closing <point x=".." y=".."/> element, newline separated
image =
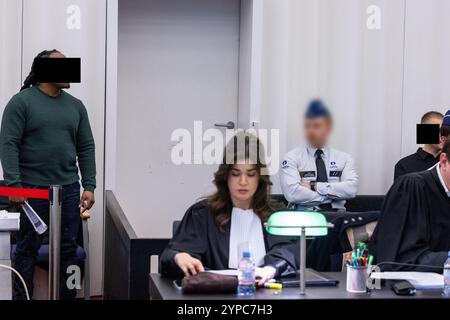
<point x="357" y="279"/>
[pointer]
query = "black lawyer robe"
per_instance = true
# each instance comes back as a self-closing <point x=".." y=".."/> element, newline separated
<point x="414" y="226"/>
<point x="199" y="236"/>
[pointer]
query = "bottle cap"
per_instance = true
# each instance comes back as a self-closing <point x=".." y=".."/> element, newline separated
<point x="246" y="254"/>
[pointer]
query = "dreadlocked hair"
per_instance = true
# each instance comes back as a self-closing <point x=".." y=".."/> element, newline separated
<point x="31" y="79"/>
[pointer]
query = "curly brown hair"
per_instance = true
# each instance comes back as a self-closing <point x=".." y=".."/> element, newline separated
<point x="242" y="147"/>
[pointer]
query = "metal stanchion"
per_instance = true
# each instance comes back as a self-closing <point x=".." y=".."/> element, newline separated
<point x="55" y="198"/>
<point x="87" y="272"/>
<point x="303" y="261"/>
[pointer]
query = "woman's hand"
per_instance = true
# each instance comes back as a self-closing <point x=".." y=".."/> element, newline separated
<point x="188" y="264"/>
<point x="265" y="273"/>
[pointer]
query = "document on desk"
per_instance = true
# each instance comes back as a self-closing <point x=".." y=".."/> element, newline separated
<point x="225" y="272"/>
<point x="420" y="280"/>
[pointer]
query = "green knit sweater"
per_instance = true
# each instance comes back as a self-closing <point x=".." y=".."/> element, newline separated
<point x="43" y="137"/>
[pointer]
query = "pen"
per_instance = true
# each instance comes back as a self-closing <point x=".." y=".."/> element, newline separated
<point x="273" y="285"/>
<point x="370" y="260"/>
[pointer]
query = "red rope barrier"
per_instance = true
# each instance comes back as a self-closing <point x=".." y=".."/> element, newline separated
<point x="24" y="193"/>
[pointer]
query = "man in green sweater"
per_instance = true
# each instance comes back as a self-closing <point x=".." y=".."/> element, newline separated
<point x="45" y="137"/>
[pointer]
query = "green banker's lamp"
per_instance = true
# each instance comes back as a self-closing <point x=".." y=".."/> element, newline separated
<point x="300" y="224"/>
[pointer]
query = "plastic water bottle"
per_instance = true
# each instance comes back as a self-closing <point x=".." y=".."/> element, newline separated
<point x="246" y="275"/>
<point x="447" y="277"/>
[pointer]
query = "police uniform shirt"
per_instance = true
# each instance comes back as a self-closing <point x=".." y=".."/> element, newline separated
<point x="299" y="165"/>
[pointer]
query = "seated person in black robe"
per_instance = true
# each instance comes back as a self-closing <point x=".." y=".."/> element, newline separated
<point x="414" y="226"/>
<point x="212" y="229"/>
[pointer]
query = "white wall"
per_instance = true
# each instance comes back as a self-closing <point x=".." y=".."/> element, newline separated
<point x="10" y="50"/>
<point x="177" y="62"/>
<point x="250" y="55"/>
<point x="112" y="32"/>
<point x="427" y="64"/>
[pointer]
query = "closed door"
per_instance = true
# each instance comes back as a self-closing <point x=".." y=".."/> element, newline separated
<point x="177" y="63"/>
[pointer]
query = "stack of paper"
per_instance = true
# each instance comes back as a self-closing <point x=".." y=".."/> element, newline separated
<point x="225" y="272"/>
<point x="420" y="280"/>
<point x="9" y="221"/>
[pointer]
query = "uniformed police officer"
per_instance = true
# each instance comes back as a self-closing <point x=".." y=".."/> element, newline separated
<point x="315" y="176"/>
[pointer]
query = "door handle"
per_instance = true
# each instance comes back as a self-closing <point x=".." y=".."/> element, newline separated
<point x="228" y="125"/>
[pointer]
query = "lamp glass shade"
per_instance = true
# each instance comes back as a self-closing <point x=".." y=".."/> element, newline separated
<point x="290" y="223"/>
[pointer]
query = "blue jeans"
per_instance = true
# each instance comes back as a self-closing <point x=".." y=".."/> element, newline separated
<point x="29" y="242"/>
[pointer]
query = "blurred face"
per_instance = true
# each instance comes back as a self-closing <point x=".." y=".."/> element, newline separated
<point x="445" y="169"/>
<point x="243" y="181"/>
<point x="60" y="85"/>
<point x="437" y="120"/>
<point x="317" y="131"/>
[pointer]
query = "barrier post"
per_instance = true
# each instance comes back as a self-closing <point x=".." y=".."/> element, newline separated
<point x="55" y="199"/>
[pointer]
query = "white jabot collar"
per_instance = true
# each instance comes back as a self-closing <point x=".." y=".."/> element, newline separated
<point x="246" y="228"/>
